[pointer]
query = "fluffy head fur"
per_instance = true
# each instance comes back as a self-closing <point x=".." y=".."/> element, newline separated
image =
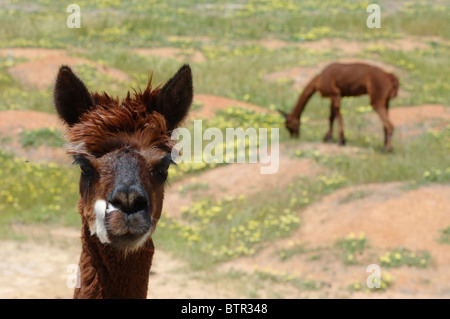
<point x="114" y="124"/>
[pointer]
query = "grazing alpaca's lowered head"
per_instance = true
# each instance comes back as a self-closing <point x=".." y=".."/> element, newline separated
<point x="123" y="148"/>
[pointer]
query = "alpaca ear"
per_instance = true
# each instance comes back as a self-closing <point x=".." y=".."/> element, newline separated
<point x="285" y="115"/>
<point x="175" y="97"/>
<point x="71" y="97"/>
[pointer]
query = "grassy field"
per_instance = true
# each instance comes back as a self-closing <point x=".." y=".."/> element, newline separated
<point x="232" y="38"/>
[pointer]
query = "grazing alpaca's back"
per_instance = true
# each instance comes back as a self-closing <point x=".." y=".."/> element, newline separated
<point x="338" y="80"/>
<point x="123" y="148"/>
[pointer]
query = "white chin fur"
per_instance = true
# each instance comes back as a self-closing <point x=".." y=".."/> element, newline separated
<point x="99" y="226"/>
<point x="101" y="208"/>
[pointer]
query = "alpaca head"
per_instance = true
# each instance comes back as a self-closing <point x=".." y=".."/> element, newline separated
<point x="123" y="148"/>
<point x="292" y="124"/>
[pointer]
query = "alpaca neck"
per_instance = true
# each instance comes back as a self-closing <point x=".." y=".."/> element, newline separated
<point x="304" y="98"/>
<point x="299" y="108"/>
<point x="106" y="272"/>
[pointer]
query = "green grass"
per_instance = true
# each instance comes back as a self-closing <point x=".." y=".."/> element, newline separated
<point x="386" y="281"/>
<point x="445" y="236"/>
<point x="423" y="73"/>
<point x="33" y="193"/>
<point x="421" y="19"/>
<point x="350" y="246"/>
<point x="225" y="229"/>
<point x="408" y="162"/>
<point x="292" y="250"/>
<point x="232" y="117"/>
<point x="404" y="257"/>
<point x="353" y="196"/>
<point x="292" y="279"/>
<point x="43" y="136"/>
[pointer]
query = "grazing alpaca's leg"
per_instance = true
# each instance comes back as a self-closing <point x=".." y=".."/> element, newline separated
<point x="329" y="136"/>
<point x="388" y="127"/>
<point x="379" y="99"/>
<point x="336" y="105"/>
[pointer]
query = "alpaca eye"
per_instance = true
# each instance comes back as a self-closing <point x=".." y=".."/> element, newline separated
<point x="164" y="174"/>
<point x="163" y="170"/>
<point x="85" y="165"/>
<point x="163" y="166"/>
<point x="86" y="170"/>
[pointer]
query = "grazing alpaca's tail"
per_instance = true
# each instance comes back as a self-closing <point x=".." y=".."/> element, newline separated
<point x="394" y="86"/>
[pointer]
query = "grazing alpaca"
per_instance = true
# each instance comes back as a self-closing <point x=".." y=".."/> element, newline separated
<point x="123" y="148"/>
<point x="338" y="80"/>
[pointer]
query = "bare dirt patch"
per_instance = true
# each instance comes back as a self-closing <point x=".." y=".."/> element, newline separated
<point x="170" y="279"/>
<point x="31" y="53"/>
<point x="386" y="214"/>
<point x="40" y="269"/>
<point x="404" y="115"/>
<point x="37" y="267"/>
<point x="32" y="270"/>
<point x="14" y="122"/>
<point x="41" y="71"/>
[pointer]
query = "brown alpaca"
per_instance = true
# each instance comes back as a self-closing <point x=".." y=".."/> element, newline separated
<point x="123" y="148"/>
<point x="339" y="80"/>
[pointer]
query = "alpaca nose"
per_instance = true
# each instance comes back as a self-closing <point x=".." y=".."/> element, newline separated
<point x="129" y="199"/>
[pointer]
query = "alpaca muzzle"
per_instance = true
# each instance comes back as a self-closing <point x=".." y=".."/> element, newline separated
<point x="129" y="199"/>
<point x="127" y="217"/>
